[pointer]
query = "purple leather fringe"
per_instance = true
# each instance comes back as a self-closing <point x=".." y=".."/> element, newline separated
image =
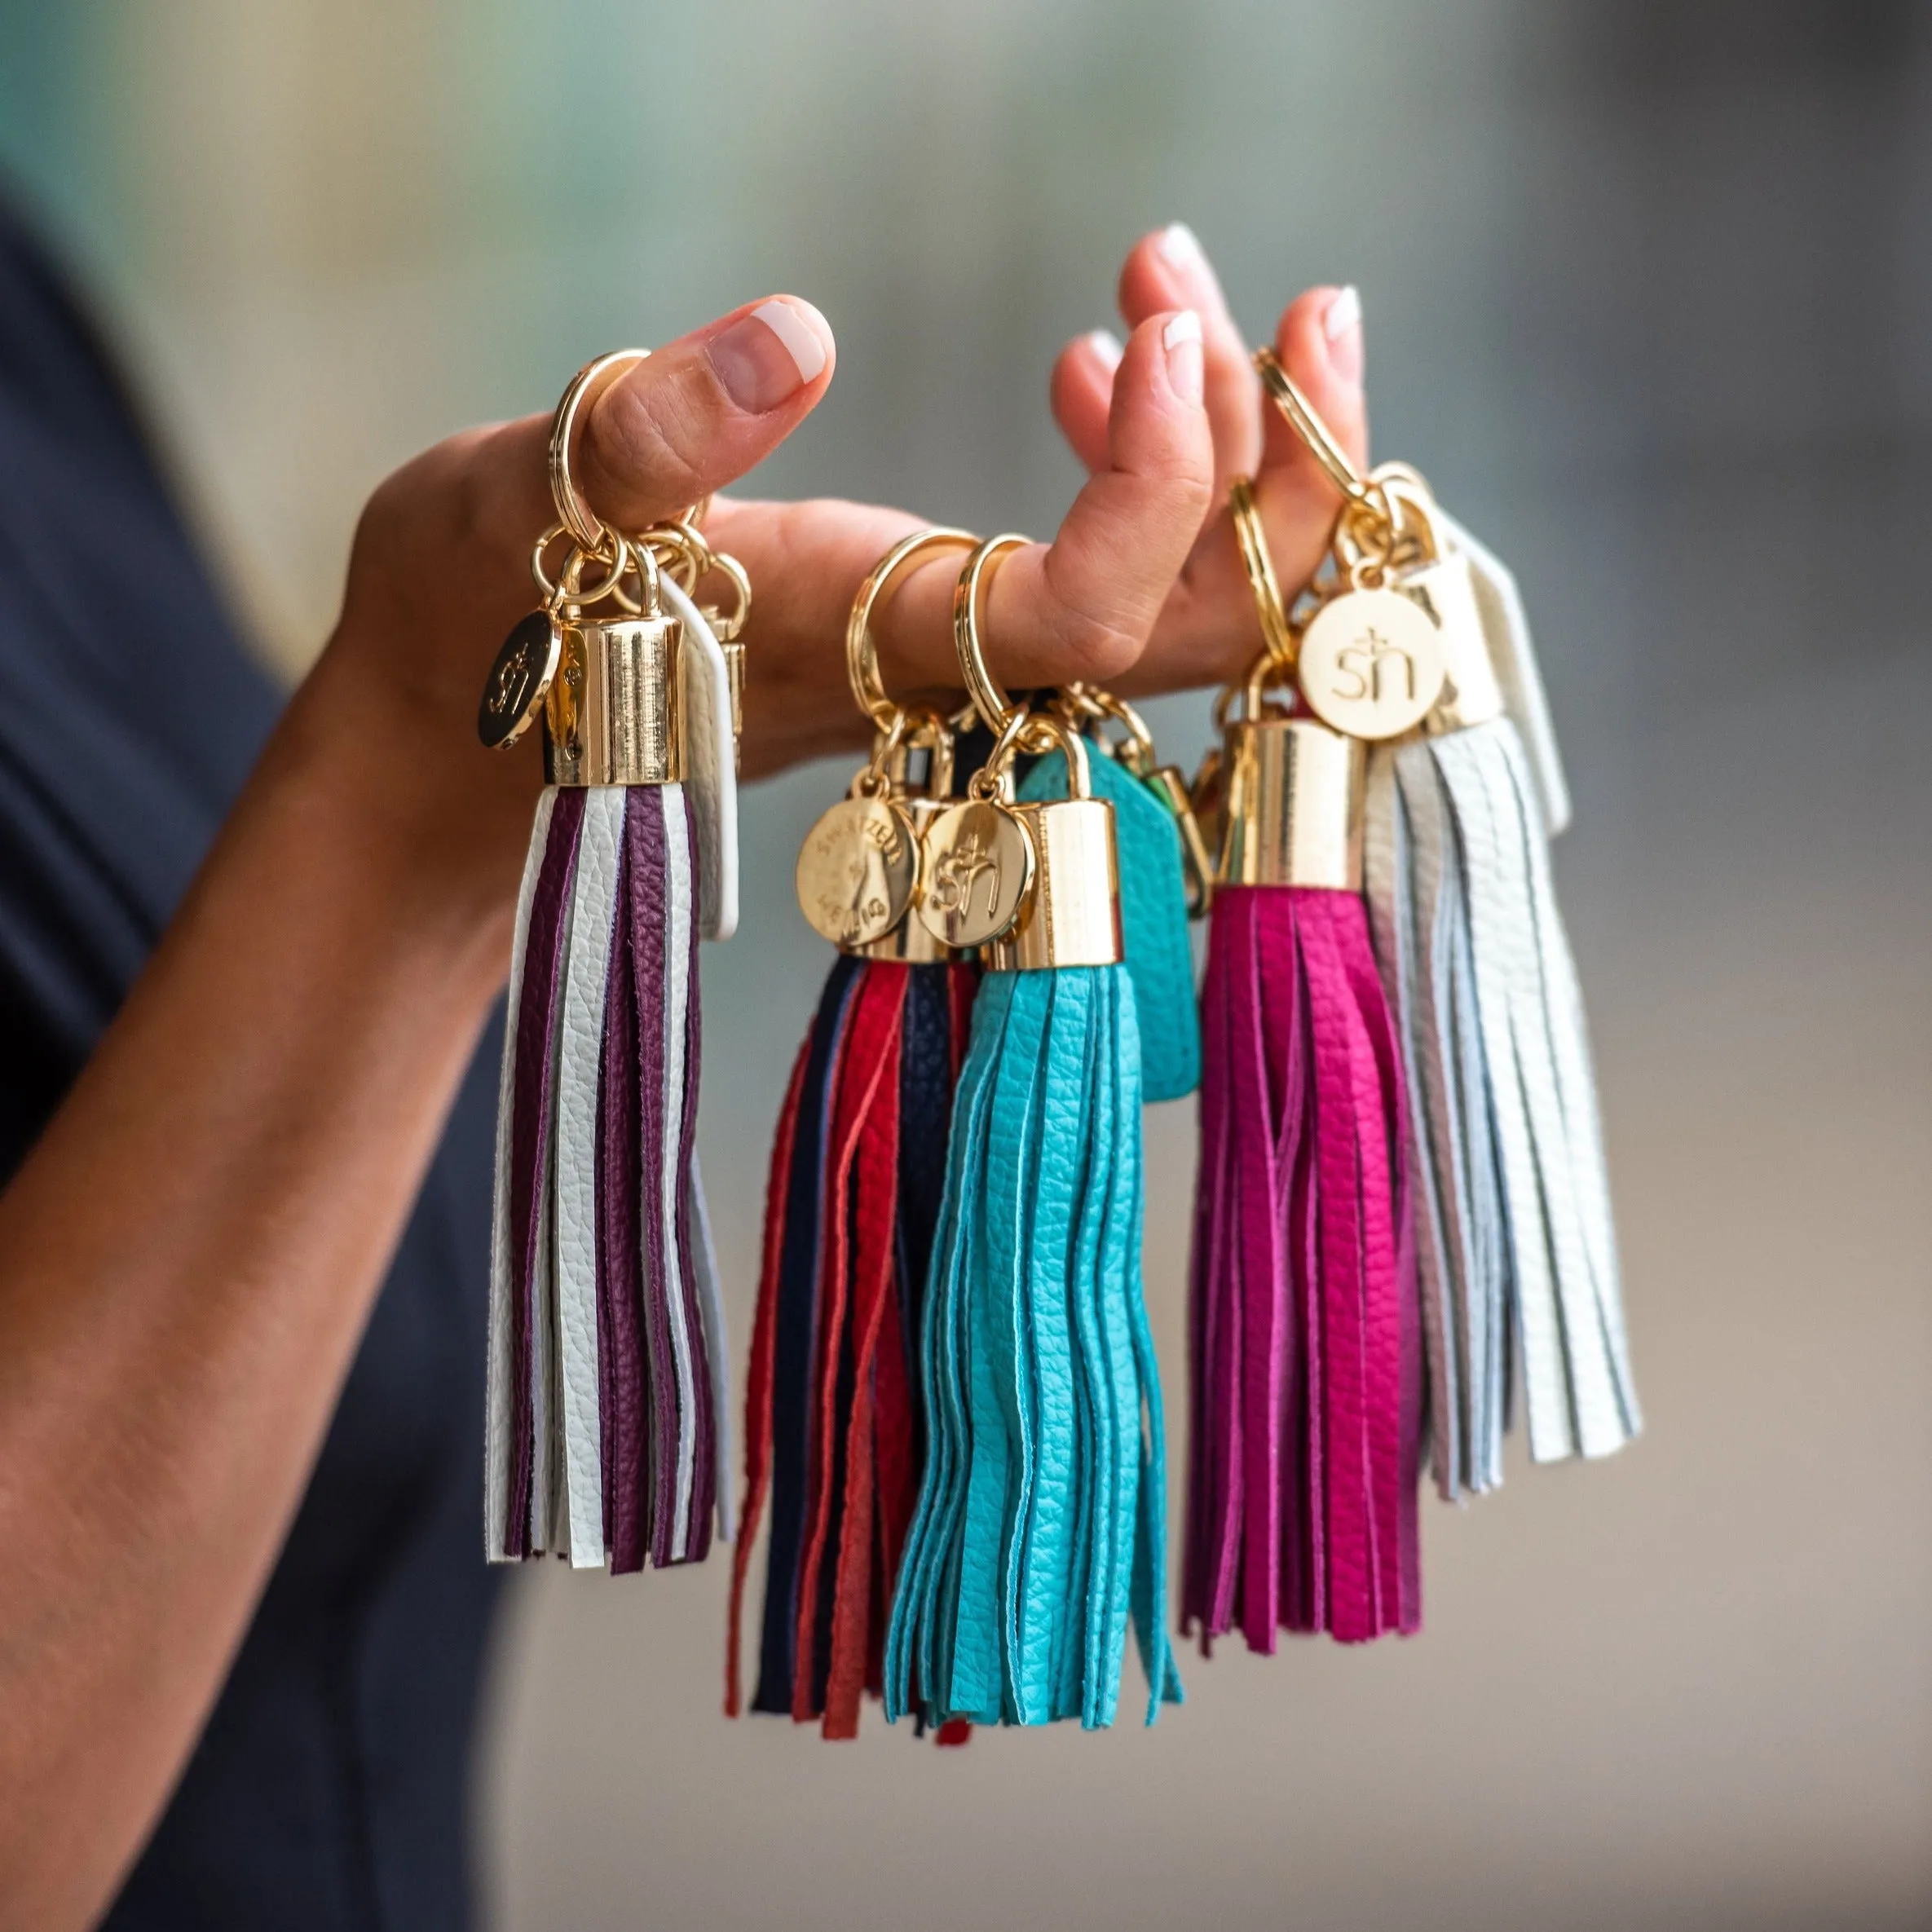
<point x="654" y="1382"/>
<point x="535" y="1022"/>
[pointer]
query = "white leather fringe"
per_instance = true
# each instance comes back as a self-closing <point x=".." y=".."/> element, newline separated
<point x="1514" y="1244"/>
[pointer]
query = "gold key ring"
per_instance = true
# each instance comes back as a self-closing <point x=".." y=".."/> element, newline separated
<point x="587" y="531"/>
<point x="1300" y="414"/>
<point x="1001" y="715"/>
<point x="1363" y="493"/>
<point x="1260" y="566"/>
<point x="861" y="651"/>
<point x="586" y="528"/>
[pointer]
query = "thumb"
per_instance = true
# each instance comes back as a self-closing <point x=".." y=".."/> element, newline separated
<point x="701" y="411"/>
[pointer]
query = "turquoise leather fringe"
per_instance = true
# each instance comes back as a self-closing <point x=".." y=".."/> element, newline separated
<point x="1154" y="919"/>
<point x="1040" y="1529"/>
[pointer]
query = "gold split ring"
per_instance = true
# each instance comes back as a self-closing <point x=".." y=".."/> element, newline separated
<point x="1322" y="443"/>
<point x="861" y="651"/>
<point x="1262" y="580"/>
<point x="587" y="530"/>
<point x="991" y="703"/>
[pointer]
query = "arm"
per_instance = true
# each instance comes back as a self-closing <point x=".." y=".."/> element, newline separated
<point x="187" y="1258"/>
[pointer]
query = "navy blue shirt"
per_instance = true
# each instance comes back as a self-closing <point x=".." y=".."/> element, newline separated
<point x="330" y="1787"/>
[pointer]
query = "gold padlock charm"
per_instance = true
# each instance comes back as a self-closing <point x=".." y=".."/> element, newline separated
<point x="1071" y="915"/>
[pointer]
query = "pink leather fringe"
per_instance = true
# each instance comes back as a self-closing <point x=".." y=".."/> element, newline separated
<point x="1306" y="1420"/>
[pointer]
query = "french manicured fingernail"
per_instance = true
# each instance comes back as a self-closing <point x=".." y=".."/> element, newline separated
<point x="1342" y="325"/>
<point x="770" y="355"/>
<point x="1180" y="248"/>
<point x="1106" y="345"/>
<point x="1181" y="338"/>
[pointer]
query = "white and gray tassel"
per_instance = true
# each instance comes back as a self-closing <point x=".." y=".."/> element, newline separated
<point x="1516" y="1254"/>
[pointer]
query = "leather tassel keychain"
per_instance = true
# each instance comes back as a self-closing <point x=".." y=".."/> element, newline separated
<point x="1515" y="1247"/>
<point x="1039" y="1530"/>
<point x="834" y="1433"/>
<point x="1166" y="876"/>
<point x="1307" y="1383"/>
<point x="605" y="1416"/>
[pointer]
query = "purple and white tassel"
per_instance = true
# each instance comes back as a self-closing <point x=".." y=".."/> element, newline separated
<point x="605" y="1425"/>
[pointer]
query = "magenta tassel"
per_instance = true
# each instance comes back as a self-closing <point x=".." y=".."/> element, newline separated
<point x="1306" y="1341"/>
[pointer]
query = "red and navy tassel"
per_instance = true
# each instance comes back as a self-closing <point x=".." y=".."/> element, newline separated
<point x="835" y="1440"/>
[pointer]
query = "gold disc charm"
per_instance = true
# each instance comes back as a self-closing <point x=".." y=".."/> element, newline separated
<point x="979" y="866"/>
<point x="1371" y="664"/>
<point x="519" y="681"/>
<point x="855" y="871"/>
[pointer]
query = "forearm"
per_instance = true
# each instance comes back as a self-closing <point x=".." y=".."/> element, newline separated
<point x="186" y="1260"/>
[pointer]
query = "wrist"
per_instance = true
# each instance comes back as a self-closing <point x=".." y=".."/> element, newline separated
<point x="437" y="825"/>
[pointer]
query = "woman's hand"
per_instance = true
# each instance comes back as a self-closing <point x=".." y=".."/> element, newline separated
<point x="1207" y="631"/>
<point x="1084" y="606"/>
<point x="440" y="572"/>
<point x="1141" y="588"/>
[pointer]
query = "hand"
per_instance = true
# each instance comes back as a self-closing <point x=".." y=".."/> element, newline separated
<point x="1207" y="631"/>
<point x="1080" y="607"/>
<point x="439" y="572"/>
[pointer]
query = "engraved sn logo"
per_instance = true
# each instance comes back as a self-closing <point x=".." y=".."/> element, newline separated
<point x="959" y="871"/>
<point x="1368" y="661"/>
<point x="509" y="683"/>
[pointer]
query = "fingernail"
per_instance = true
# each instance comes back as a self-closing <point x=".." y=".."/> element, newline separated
<point x="768" y="356"/>
<point x="1181" y="248"/>
<point x="1181" y="338"/>
<point x="1106" y="345"/>
<point x="1342" y="324"/>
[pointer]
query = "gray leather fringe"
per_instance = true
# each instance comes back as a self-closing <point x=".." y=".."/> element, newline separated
<point x="1516" y="1253"/>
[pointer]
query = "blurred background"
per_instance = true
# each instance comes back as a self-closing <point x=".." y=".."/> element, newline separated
<point x="1649" y="295"/>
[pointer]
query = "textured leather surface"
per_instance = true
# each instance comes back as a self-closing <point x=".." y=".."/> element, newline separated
<point x="587" y="973"/>
<point x="1306" y="1359"/>
<point x="710" y="766"/>
<point x="532" y="1042"/>
<point x="499" y="1420"/>
<point x="848" y="1516"/>
<point x="852" y="1200"/>
<point x="1154" y="919"/>
<point x="1519" y="1245"/>
<point x="1512" y="655"/>
<point x="1419" y="904"/>
<point x="1577" y="1382"/>
<point x="648" y="917"/>
<point x="794" y="1298"/>
<point x="680" y="1123"/>
<point x="1039" y="1530"/>
<point x="624" y="1363"/>
<point x="761" y="1369"/>
<point x="718" y="1343"/>
<point x="855" y="1235"/>
<point x="604" y="1408"/>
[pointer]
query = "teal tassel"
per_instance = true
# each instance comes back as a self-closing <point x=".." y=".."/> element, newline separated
<point x="1040" y="1530"/>
<point x="1153" y="918"/>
